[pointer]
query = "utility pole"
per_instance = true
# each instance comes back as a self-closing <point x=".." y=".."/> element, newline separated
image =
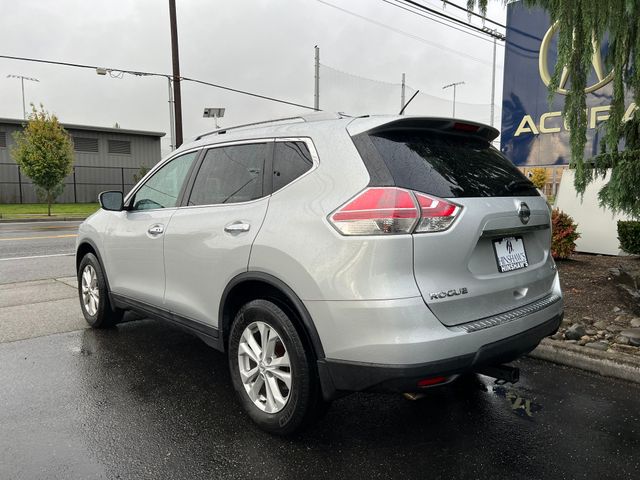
<point x="402" y="93"/>
<point x="172" y="123"/>
<point x="454" y="85"/>
<point x="177" y="97"/>
<point x="316" y="91"/>
<point x="22" y="79"/>
<point x="493" y="84"/>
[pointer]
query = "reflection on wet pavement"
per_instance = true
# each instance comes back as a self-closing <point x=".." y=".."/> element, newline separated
<point x="147" y="401"/>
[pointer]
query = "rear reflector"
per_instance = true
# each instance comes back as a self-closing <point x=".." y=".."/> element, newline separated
<point x="392" y="210"/>
<point x="426" y="382"/>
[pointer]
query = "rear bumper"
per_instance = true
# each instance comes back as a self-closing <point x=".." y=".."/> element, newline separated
<point x="339" y="376"/>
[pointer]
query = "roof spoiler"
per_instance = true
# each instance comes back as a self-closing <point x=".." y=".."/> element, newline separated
<point x="448" y="125"/>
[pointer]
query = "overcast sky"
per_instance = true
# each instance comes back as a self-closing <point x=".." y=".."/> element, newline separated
<point x="265" y="46"/>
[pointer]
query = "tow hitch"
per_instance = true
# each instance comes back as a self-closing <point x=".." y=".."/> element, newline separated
<point x="501" y="372"/>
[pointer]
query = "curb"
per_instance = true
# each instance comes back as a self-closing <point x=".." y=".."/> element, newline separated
<point x="47" y="219"/>
<point x="607" y="364"/>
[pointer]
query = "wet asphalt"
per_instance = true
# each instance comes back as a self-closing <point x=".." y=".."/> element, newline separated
<point x="149" y="401"/>
<point x="37" y="250"/>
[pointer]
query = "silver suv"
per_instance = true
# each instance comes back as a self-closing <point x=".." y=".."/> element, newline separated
<point x="329" y="254"/>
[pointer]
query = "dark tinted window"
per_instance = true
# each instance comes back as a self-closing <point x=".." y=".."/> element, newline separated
<point x="163" y="188"/>
<point x="230" y="175"/>
<point x="449" y="165"/>
<point x="291" y="160"/>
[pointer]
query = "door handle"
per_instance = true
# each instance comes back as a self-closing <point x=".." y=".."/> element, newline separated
<point x="156" y="229"/>
<point x="237" y="227"/>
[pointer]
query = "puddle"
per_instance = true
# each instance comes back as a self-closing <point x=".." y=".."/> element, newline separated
<point x="520" y="405"/>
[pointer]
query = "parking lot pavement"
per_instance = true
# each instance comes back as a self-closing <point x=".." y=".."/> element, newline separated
<point x="146" y="400"/>
<point x="41" y="307"/>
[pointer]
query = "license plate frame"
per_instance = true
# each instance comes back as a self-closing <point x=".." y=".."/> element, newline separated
<point x="506" y="247"/>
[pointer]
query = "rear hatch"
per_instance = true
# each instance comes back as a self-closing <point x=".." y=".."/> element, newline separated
<point x="494" y="257"/>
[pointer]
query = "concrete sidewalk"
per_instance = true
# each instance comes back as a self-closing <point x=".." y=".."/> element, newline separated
<point x="39" y="308"/>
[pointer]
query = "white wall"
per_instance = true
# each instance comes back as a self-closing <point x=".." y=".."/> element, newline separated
<point x="597" y="226"/>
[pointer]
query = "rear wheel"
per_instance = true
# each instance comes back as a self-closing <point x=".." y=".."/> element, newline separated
<point x="94" y="296"/>
<point x="273" y="374"/>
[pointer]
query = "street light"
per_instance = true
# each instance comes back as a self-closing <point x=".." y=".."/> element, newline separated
<point x="119" y="73"/>
<point x="214" y="113"/>
<point x="454" y="85"/>
<point x="22" y="79"/>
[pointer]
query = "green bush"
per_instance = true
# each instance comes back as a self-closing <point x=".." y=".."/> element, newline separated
<point x="564" y="234"/>
<point x="629" y="236"/>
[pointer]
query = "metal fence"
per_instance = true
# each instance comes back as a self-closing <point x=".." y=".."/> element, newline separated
<point x="82" y="186"/>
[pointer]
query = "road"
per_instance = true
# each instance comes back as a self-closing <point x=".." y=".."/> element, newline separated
<point x="148" y="401"/>
<point x="36" y="250"/>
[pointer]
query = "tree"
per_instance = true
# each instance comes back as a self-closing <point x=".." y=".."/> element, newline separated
<point x="583" y="21"/>
<point x="44" y="152"/>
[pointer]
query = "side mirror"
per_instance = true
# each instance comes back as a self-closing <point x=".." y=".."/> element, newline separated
<point x="112" y="201"/>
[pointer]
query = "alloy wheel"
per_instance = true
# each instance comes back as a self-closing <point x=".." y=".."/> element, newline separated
<point x="265" y="367"/>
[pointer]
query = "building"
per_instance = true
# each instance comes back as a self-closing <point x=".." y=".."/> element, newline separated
<point x="105" y="159"/>
<point x="533" y="132"/>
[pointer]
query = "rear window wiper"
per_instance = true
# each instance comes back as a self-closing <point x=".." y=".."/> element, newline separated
<point x="516" y="185"/>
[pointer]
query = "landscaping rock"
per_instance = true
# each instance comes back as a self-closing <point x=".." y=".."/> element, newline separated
<point x="614" y="272"/>
<point x="600" y="325"/>
<point x="587" y="319"/>
<point x="635" y="322"/>
<point x="598" y="345"/>
<point x="614" y="328"/>
<point x="628" y="285"/>
<point x="591" y="332"/>
<point x="622" y="340"/>
<point x="575" y="332"/>
<point x="558" y="336"/>
<point x="616" y="309"/>
<point x="633" y="334"/>
<point x="584" y="340"/>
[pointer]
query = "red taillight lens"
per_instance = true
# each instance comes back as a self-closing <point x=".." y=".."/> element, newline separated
<point x="377" y="211"/>
<point x="392" y="210"/>
<point x="436" y="214"/>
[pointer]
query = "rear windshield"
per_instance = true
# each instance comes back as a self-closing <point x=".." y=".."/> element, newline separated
<point x="449" y="165"/>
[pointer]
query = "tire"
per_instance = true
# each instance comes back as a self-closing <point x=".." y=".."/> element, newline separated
<point x="94" y="295"/>
<point x="275" y="407"/>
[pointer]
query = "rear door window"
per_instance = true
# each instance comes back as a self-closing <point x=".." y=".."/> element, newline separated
<point x="230" y="174"/>
<point x="290" y="161"/>
<point x="447" y="165"/>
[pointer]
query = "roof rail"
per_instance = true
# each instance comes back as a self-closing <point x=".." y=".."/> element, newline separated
<point x="235" y="127"/>
<point x="304" y="118"/>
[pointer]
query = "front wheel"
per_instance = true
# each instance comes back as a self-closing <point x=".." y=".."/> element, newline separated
<point x="94" y="296"/>
<point x="272" y="372"/>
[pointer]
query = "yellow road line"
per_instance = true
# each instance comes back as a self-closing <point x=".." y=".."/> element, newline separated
<point x="36" y="238"/>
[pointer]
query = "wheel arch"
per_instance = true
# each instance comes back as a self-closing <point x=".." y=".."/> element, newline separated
<point x="251" y="285"/>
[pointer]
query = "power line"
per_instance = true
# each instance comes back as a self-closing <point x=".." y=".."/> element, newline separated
<point x="402" y="32"/>
<point x="441" y="22"/>
<point x="141" y="73"/>
<point x="452" y="19"/>
<point x="471" y="12"/>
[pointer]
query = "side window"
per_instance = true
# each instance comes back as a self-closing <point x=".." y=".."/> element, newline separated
<point x="163" y="188"/>
<point x="230" y="175"/>
<point x="291" y="160"/>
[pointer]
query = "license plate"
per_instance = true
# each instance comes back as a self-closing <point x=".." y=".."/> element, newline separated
<point x="510" y="254"/>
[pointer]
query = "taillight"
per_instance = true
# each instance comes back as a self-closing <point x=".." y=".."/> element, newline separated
<point x="392" y="210"/>
<point x="377" y="211"/>
<point x="436" y="214"/>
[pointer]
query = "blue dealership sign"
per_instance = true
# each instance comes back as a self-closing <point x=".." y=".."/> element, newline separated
<point x="533" y="130"/>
